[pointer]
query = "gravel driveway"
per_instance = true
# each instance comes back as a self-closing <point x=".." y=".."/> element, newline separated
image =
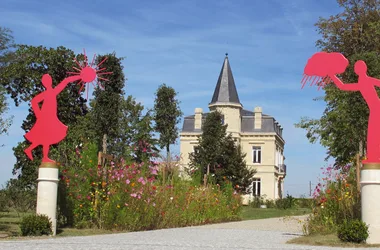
<point x="254" y="234"/>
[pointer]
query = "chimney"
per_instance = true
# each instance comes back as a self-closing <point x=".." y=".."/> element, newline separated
<point x="258" y="114"/>
<point x="198" y="118"/>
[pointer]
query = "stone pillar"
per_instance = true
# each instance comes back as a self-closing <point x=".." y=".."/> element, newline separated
<point x="370" y="190"/>
<point x="258" y="116"/>
<point x="47" y="192"/>
<point x="198" y="118"/>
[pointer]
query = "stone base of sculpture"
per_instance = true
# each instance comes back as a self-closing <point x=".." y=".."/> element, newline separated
<point x="47" y="192"/>
<point x="370" y="200"/>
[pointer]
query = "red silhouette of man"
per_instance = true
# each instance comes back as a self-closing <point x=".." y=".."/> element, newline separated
<point x="366" y="86"/>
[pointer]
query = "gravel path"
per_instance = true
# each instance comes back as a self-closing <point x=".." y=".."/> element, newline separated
<point x="255" y="234"/>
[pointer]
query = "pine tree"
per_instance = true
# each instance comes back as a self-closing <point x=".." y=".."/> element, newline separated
<point x="218" y="152"/>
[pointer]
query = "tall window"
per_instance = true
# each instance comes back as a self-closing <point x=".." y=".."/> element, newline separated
<point x="256" y="187"/>
<point x="256" y="154"/>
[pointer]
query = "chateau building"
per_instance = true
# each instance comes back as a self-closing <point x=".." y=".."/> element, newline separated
<point x="259" y="135"/>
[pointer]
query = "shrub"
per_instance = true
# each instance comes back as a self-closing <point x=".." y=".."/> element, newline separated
<point x="353" y="231"/>
<point x="257" y="201"/>
<point x="304" y="203"/>
<point x="270" y="203"/>
<point x="36" y="225"/>
<point x="286" y="203"/>
<point x="336" y="200"/>
<point x="129" y="196"/>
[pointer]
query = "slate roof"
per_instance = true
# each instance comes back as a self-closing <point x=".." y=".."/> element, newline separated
<point x="269" y="124"/>
<point x="225" y="90"/>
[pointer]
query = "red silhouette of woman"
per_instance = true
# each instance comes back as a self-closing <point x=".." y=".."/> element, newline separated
<point x="366" y="86"/>
<point x="326" y="66"/>
<point x="48" y="129"/>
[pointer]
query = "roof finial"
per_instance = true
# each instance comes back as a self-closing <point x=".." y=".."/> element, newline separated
<point x="226" y="54"/>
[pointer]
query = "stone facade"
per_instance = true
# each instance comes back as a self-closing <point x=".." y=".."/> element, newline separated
<point x="259" y="135"/>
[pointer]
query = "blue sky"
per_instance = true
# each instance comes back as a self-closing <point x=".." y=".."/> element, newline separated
<point x="182" y="43"/>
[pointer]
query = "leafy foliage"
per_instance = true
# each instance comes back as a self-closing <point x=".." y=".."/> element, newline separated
<point x="336" y="200"/>
<point x="219" y="152"/>
<point x="128" y="196"/>
<point x="107" y="102"/>
<point x="6" y="46"/>
<point x="36" y="225"/>
<point x="355" y="33"/>
<point x="166" y="115"/>
<point x="286" y="203"/>
<point x="353" y="231"/>
<point x="6" y="53"/>
<point x="5" y="123"/>
<point x="19" y="198"/>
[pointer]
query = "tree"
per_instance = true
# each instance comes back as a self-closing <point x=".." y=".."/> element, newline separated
<point x="210" y="144"/>
<point x="108" y="100"/>
<point x="233" y="166"/>
<point x="218" y="154"/>
<point x="22" y="80"/>
<point x="135" y="132"/>
<point x="167" y="114"/>
<point x="354" y="33"/>
<point x="6" y="46"/>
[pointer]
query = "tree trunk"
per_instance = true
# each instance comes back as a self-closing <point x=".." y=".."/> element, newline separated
<point x="104" y="174"/>
<point x="167" y="163"/>
<point x="104" y="144"/>
<point x="206" y="175"/>
<point x="358" y="166"/>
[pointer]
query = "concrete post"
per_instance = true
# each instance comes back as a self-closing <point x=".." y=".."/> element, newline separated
<point x="47" y="192"/>
<point x="370" y="190"/>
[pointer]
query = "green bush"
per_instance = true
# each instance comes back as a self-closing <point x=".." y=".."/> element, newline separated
<point x="304" y="203"/>
<point x="286" y="203"/>
<point x="257" y="201"/>
<point x="36" y="225"/>
<point x="270" y="203"/>
<point x="353" y="231"/>
<point x="336" y="200"/>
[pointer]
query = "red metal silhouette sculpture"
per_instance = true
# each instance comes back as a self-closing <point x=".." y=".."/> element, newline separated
<point x="323" y="67"/>
<point x="48" y="129"/>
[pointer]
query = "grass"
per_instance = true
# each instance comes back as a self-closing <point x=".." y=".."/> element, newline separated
<point x="9" y="221"/>
<point x="250" y="213"/>
<point x="9" y="227"/>
<point x="326" y="240"/>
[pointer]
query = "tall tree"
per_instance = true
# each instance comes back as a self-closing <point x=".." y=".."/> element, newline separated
<point x="135" y="132"/>
<point x="5" y="123"/>
<point x="219" y="153"/>
<point x="6" y="52"/>
<point x="167" y="115"/>
<point x="22" y="79"/>
<point x="233" y="166"/>
<point x="6" y="46"/>
<point x="108" y="100"/>
<point x="210" y="144"/>
<point x="355" y="33"/>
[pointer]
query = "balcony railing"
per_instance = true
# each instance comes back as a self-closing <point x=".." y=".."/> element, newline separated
<point x="282" y="168"/>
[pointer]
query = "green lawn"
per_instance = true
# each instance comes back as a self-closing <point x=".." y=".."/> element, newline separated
<point x="250" y="213"/>
<point x="9" y="226"/>
<point x="325" y="240"/>
<point x="9" y="221"/>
